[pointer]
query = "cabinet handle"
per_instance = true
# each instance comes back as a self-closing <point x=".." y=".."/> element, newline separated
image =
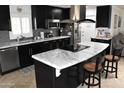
<point x="31" y="51"/>
<point x="3" y="50"/>
<point x="12" y="48"/>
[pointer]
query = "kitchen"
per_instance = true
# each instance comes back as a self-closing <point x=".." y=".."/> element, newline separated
<point x="30" y="30"/>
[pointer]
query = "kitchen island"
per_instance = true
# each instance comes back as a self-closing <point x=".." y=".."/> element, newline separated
<point x="54" y="68"/>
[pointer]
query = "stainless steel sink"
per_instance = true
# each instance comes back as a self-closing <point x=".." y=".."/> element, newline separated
<point x="25" y="41"/>
<point x="76" y="48"/>
<point x="80" y="47"/>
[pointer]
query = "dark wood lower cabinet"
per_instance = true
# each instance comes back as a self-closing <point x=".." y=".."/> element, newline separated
<point x="37" y="48"/>
<point x="46" y="76"/>
<point x="26" y="51"/>
<point x="60" y="43"/>
<point x="54" y="44"/>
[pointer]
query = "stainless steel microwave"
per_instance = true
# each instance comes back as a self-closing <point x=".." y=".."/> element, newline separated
<point x="53" y="23"/>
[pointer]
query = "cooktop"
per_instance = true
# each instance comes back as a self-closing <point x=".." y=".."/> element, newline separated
<point x="77" y="48"/>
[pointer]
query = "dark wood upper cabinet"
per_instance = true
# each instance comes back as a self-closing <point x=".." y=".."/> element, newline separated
<point x="103" y="16"/>
<point x="5" y="18"/>
<point x="82" y="12"/>
<point x="66" y="13"/>
<point x="44" y="12"/>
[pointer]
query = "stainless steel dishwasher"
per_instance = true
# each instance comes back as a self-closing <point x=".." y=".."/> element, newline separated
<point x="9" y="59"/>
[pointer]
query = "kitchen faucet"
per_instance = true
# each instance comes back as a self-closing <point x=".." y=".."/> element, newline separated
<point x="20" y="37"/>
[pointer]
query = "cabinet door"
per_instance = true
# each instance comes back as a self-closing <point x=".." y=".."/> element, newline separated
<point x="82" y="12"/>
<point x="67" y="42"/>
<point x="40" y="16"/>
<point x="47" y="46"/>
<point x="25" y="53"/>
<point x="63" y="43"/>
<point x="103" y="16"/>
<point x="60" y="43"/>
<point x="66" y="13"/>
<point x="37" y="48"/>
<point x="5" y="18"/>
<point x="54" y="44"/>
<point x="33" y="13"/>
<point x="56" y="13"/>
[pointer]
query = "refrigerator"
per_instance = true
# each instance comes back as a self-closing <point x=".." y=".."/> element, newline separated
<point x="87" y="31"/>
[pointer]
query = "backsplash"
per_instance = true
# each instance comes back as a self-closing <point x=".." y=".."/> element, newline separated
<point x="37" y="32"/>
<point x="4" y="36"/>
<point x="103" y="32"/>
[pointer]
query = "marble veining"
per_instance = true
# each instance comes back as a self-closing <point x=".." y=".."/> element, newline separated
<point x="61" y="59"/>
<point x="15" y="43"/>
<point x="95" y="47"/>
<point x="57" y="58"/>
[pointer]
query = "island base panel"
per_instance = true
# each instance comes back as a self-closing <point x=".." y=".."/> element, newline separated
<point x="46" y="77"/>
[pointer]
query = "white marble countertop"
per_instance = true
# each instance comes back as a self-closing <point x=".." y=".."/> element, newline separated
<point x="30" y="41"/>
<point x="103" y="38"/>
<point x="61" y="59"/>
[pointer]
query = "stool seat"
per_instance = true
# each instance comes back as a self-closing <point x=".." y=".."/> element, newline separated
<point x="92" y="71"/>
<point x="91" y="67"/>
<point x="110" y="58"/>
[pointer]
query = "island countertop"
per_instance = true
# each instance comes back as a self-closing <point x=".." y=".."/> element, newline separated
<point x="61" y="59"/>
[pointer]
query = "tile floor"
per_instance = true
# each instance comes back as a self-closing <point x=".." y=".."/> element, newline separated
<point x="25" y="78"/>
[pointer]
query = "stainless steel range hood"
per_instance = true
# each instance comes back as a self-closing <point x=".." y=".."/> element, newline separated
<point x="77" y="12"/>
<point x="67" y="21"/>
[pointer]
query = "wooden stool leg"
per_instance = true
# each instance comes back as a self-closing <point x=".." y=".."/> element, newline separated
<point x="107" y="69"/>
<point x="93" y="78"/>
<point x="112" y="66"/>
<point x="103" y="65"/>
<point x="83" y="78"/>
<point x="89" y="81"/>
<point x="116" y="73"/>
<point x="100" y="80"/>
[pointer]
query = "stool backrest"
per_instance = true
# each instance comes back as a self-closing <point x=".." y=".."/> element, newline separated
<point x="116" y="52"/>
<point x="99" y="61"/>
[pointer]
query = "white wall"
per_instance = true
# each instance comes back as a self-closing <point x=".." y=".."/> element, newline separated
<point x="91" y="14"/>
<point x="25" y="12"/>
<point x="119" y="12"/>
<point x="122" y="25"/>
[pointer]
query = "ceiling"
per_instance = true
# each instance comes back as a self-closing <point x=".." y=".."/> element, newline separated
<point x="88" y="6"/>
<point x="68" y="6"/>
<point x="62" y="6"/>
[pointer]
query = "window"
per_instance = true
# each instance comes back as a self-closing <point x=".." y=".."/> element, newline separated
<point x="16" y="26"/>
<point x="20" y="26"/>
<point x="25" y="25"/>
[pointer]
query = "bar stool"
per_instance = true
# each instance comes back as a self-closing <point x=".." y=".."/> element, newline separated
<point x="92" y="69"/>
<point x="111" y="62"/>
